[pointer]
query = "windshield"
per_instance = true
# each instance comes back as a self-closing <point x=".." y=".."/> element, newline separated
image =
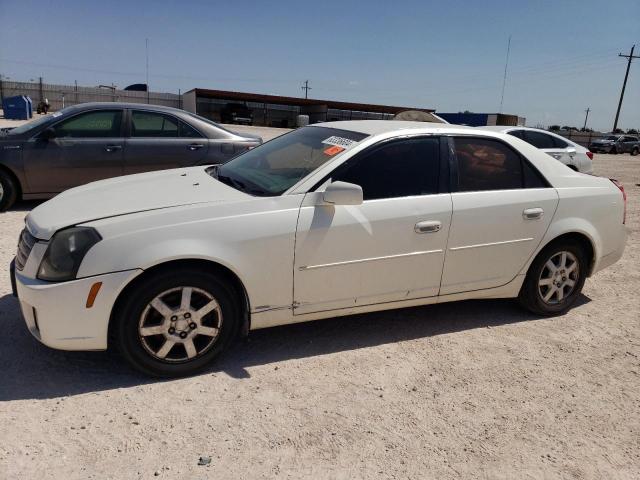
<point x="274" y="167"/>
<point x="26" y="127"/>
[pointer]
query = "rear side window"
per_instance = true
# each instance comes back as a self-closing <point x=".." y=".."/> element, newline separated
<point x="539" y="139"/>
<point x="98" y="124"/>
<point x="559" y="143"/>
<point x="187" y="131"/>
<point x="399" y="168"/>
<point x="156" y="125"/>
<point x="485" y="164"/>
<point x="517" y="133"/>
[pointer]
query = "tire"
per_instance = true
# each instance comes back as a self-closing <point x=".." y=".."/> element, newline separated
<point x="635" y="151"/>
<point x="8" y="191"/>
<point x="613" y="151"/>
<point x="532" y="294"/>
<point x="143" y="335"/>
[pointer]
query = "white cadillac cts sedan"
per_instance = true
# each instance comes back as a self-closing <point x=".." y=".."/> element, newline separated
<point x="327" y="220"/>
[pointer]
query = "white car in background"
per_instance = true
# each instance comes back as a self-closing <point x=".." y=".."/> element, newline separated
<point x="570" y="153"/>
<point x="327" y="220"/>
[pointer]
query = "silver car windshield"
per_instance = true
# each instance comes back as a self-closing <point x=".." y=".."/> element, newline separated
<point x="274" y="167"/>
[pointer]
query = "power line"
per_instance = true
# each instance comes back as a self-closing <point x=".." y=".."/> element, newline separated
<point x="504" y="78"/>
<point x="629" y="58"/>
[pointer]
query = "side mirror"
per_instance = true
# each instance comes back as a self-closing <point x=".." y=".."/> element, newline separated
<point x="343" y="193"/>
<point x="571" y="151"/>
<point x="48" y="134"/>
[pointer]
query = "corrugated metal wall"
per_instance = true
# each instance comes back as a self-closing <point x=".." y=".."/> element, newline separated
<point x="73" y="95"/>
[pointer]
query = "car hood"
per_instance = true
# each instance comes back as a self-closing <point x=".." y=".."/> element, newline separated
<point x="128" y="194"/>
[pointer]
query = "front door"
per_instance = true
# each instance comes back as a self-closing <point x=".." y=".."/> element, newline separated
<point x="85" y="148"/>
<point x="389" y="248"/>
<point x="159" y="141"/>
<point x="501" y="210"/>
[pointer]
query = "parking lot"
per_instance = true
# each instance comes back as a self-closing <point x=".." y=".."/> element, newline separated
<point x="477" y="389"/>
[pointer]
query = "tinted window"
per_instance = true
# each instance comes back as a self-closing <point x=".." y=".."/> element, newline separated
<point x="538" y="139"/>
<point x="559" y="143"/>
<point x="187" y="131"/>
<point x="395" y="169"/>
<point x="517" y="133"/>
<point x="486" y="165"/>
<point x="91" y="125"/>
<point x="149" y="124"/>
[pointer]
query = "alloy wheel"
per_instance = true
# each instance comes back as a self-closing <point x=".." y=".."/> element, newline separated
<point x="558" y="278"/>
<point x="180" y="324"/>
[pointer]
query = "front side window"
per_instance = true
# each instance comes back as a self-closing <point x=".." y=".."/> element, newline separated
<point x="273" y="167"/>
<point x="399" y="168"/>
<point x="485" y="164"/>
<point x="153" y="125"/>
<point x="99" y="124"/>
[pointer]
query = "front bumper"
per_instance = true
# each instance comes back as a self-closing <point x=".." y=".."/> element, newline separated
<point x="600" y="148"/>
<point x="57" y="315"/>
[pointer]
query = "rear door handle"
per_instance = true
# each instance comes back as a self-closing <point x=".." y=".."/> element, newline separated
<point x="430" y="226"/>
<point x="113" y="148"/>
<point x="195" y="146"/>
<point x="533" y="213"/>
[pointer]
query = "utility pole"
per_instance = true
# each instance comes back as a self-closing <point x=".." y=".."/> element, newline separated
<point x="146" y="48"/>
<point x="585" y="118"/>
<point x="629" y="58"/>
<point x="306" y="88"/>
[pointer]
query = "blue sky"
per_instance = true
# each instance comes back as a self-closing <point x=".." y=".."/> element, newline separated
<point x="447" y="55"/>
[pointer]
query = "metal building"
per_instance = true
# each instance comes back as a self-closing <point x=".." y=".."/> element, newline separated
<point x="278" y="111"/>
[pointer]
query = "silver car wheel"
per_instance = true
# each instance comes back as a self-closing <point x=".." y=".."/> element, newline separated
<point x="1" y="191"/>
<point x="558" y="278"/>
<point x="180" y="324"/>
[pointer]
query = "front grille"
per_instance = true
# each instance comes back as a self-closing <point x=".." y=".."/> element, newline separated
<point x="25" y="244"/>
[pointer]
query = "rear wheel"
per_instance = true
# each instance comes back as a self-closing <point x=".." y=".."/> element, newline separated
<point x="176" y="323"/>
<point x="8" y="191"/>
<point x="555" y="279"/>
<point x="635" y="151"/>
<point x="613" y="151"/>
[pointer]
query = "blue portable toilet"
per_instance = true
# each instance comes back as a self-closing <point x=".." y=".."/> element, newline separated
<point x="16" y="108"/>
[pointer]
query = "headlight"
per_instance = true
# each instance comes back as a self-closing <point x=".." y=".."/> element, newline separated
<point x="64" y="255"/>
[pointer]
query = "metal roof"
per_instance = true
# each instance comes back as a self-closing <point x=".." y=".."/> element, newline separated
<point x="294" y="101"/>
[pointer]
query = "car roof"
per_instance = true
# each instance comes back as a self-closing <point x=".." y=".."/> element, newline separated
<point x="378" y="127"/>
<point x="139" y="106"/>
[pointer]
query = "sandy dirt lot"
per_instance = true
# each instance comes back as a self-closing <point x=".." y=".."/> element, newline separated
<point x="477" y="389"/>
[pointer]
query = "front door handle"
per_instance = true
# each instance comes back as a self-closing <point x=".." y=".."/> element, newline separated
<point x="532" y="213"/>
<point x="195" y="146"/>
<point x="431" y="226"/>
<point x="113" y="148"/>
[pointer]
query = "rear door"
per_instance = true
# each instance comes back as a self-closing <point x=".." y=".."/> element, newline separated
<point x="86" y="147"/>
<point x="502" y="208"/>
<point x="159" y="141"/>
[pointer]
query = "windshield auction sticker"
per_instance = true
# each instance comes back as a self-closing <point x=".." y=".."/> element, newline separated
<point x="339" y="142"/>
<point x="333" y="150"/>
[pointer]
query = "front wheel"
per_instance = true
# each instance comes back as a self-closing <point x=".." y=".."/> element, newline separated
<point x="555" y="279"/>
<point x="8" y="191"/>
<point x="175" y="323"/>
<point x="635" y="151"/>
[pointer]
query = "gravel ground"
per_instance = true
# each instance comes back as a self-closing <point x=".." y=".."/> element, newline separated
<point x="476" y="389"/>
